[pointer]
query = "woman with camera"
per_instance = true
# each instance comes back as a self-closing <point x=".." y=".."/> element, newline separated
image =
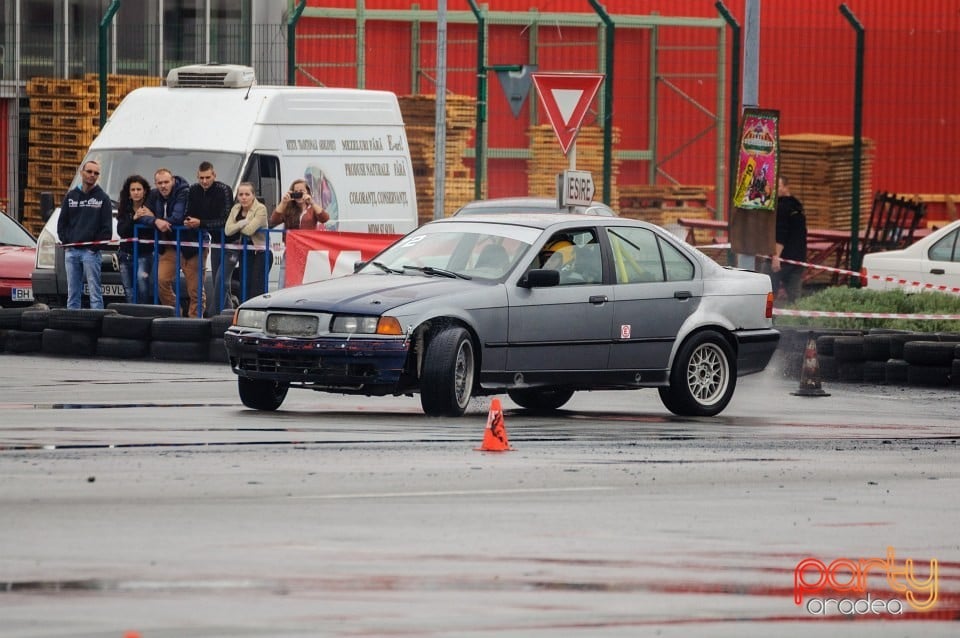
<point x="298" y="210"/>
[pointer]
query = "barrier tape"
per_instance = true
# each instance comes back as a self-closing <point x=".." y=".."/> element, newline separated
<point x="164" y="242"/>
<point x="863" y="315"/>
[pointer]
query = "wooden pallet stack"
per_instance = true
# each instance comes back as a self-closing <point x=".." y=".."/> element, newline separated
<point x="547" y="160"/>
<point x="64" y="119"/>
<point x="665" y="204"/>
<point x="419" y="118"/>
<point x="820" y="171"/>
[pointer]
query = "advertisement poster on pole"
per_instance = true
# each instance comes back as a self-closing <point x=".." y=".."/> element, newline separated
<point x="758" y="161"/>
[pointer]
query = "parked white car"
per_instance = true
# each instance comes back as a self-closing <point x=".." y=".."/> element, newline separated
<point x="931" y="263"/>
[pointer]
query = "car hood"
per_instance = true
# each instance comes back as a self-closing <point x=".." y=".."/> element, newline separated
<point x="362" y="294"/>
<point x="16" y="262"/>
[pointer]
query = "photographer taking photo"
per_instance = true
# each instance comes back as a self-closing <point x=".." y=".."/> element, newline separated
<point x="298" y="210"/>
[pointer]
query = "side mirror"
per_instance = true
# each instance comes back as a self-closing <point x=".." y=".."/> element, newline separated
<point x="540" y="278"/>
<point x="357" y="265"/>
<point x="46" y="206"/>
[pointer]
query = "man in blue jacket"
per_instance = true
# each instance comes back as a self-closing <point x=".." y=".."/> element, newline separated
<point x="86" y="215"/>
<point x="168" y="201"/>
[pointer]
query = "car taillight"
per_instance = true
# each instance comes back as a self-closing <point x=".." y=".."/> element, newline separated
<point x="769" y="311"/>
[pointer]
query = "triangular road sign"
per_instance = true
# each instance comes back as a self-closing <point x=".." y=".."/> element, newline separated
<point x="566" y="98"/>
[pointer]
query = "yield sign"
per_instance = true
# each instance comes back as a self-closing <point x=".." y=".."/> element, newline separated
<point x="566" y="98"/>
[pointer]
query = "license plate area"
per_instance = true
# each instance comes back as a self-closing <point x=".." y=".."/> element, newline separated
<point x="109" y="290"/>
<point x="21" y="294"/>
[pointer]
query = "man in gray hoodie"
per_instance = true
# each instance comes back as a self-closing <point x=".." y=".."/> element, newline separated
<point x="86" y="221"/>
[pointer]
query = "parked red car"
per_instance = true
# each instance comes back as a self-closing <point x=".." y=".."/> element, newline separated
<point x="18" y="255"/>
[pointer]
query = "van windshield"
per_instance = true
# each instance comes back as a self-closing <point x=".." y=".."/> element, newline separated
<point x="118" y="165"/>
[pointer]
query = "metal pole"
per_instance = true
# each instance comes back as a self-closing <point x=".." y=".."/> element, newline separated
<point x="292" y="42"/>
<point x="734" y="97"/>
<point x="607" y="101"/>
<point x="103" y="33"/>
<point x="479" y="136"/>
<point x="751" y="82"/>
<point x="857" y="141"/>
<point x="440" y="115"/>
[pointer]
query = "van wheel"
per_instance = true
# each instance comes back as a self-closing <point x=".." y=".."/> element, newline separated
<point x="261" y="395"/>
<point x="448" y="371"/>
<point x="703" y="376"/>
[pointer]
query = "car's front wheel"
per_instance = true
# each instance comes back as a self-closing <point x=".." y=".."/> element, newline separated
<point x="703" y="377"/>
<point x="261" y="395"/>
<point x="540" y="399"/>
<point x="448" y="371"/>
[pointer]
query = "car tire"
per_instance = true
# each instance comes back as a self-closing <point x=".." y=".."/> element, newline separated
<point x="446" y="383"/>
<point x="219" y="324"/>
<point x="180" y="350"/>
<point x="22" y="341"/>
<point x="703" y="376"/>
<point x="932" y="376"/>
<point x="35" y="320"/>
<point x="75" y="343"/>
<point x="141" y="309"/>
<point x="927" y="353"/>
<point x="86" y="319"/>
<point x="261" y="395"/>
<point x="10" y="318"/>
<point x="540" y="399"/>
<point x="848" y="349"/>
<point x="176" y="329"/>
<point x="896" y="371"/>
<point x="126" y="327"/>
<point x="218" y="352"/>
<point x="117" y="348"/>
<point x="876" y="347"/>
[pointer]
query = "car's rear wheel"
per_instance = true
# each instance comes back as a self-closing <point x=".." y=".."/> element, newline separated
<point x="446" y="383"/>
<point x="540" y="399"/>
<point x="261" y="395"/>
<point x="703" y="377"/>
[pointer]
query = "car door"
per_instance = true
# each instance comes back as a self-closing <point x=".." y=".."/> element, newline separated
<point x="564" y="327"/>
<point x="656" y="289"/>
<point x="940" y="266"/>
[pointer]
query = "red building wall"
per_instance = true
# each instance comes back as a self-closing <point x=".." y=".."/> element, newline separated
<point x="807" y="54"/>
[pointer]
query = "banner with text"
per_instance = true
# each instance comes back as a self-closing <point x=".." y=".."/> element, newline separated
<point x="313" y="255"/>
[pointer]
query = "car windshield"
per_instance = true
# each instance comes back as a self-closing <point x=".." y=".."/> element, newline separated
<point x="118" y="164"/>
<point x="485" y="251"/>
<point x="12" y="234"/>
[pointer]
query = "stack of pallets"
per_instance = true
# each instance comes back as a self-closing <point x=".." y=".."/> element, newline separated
<point x="665" y="204"/>
<point x="820" y="171"/>
<point x="419" y="118"/>
<point x="64" y="119"/>
<point x="547" y="160"/>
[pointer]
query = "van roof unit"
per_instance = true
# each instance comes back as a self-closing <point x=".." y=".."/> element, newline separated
<point x="212" y="76"/>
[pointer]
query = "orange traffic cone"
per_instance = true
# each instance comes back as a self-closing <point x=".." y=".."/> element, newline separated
<point x="810" y="373"/>
<point x="495" y="435"/>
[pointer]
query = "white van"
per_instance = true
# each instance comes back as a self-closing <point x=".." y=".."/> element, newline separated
<point x="349" y="144"/>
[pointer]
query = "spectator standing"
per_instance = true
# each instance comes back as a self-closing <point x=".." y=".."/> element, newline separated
<point x="130" y="211"/>
<point x="791" y="238"/>
<point x="247" y="217"/>
<point x="208" y="204"/>
<point x="168" y="202"/>
<point x="86" y="215"/>
<point x="297" y="210"/>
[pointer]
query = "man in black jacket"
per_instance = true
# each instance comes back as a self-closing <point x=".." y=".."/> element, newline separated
<point x="168" y="201"/>
<point x="208" y="205"/>
<point x="791" y="242"/>
<point x="86" y="215"/>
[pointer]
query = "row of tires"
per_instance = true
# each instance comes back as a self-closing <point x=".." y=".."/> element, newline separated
<point x="879" y="356"/>
<point x="121" y="331"/>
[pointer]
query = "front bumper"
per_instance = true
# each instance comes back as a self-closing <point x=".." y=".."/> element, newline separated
<point x="755" y="348"/>
<point x="350" y="365"/>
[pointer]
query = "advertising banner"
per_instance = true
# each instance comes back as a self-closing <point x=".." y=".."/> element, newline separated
<point x="758" y="162"/>
<point x="315" y="255"/>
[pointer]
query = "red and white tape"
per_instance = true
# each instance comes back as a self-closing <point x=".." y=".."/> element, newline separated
<point x="165" y="242"/>
<point x="863" y="315"/>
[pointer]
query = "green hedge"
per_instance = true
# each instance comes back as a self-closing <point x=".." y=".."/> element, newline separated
<point x="843" y="299"/>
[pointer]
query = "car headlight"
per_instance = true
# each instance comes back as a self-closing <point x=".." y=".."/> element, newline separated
<point x="366" y="325"/>
<point x="46" y="250"/>
<point x="251" y="318"/>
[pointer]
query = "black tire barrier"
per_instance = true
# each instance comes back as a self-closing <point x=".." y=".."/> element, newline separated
<point x="928" y="353"/>
<point x="10" y="318"/>
<point x="876" y="347"/>
<point x="936" y="376"/>
<point x="73" y="343"/>
<point x="955" y="372"/>
<point x="126" y="327"/>
<point x="35" y="320"/>
<point x="141" y="309"/>
<point x="850" y="371"/>
<point x="218" y="352"/>
<point x="22" y="342"/>
<point x="86" y="319"/>
<point x="176" y="329"/>
<point x="180" y="350"/>
<point x="898" y="340"/>
<point x="115" y="348"/>
<point x="825" y="345"/>
<point x="848" y="349"/>
<point x="896" y="371"/>
<point x="828" y="366"/>
<point x="875" y="372"/>
<point x="3" y="338"/>
<point x="219" y="324"/>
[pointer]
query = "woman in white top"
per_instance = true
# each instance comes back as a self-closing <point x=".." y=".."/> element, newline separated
<point x="247" y="217"/>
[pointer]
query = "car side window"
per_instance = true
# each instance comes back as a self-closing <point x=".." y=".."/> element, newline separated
<point x="677" y="266"/>
<point x="636" y="255"/>
<point x="947" y="249"/>
<point x="575" y="254"/>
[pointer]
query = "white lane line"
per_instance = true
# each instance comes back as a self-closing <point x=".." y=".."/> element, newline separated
<point x="532" y="490"/>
